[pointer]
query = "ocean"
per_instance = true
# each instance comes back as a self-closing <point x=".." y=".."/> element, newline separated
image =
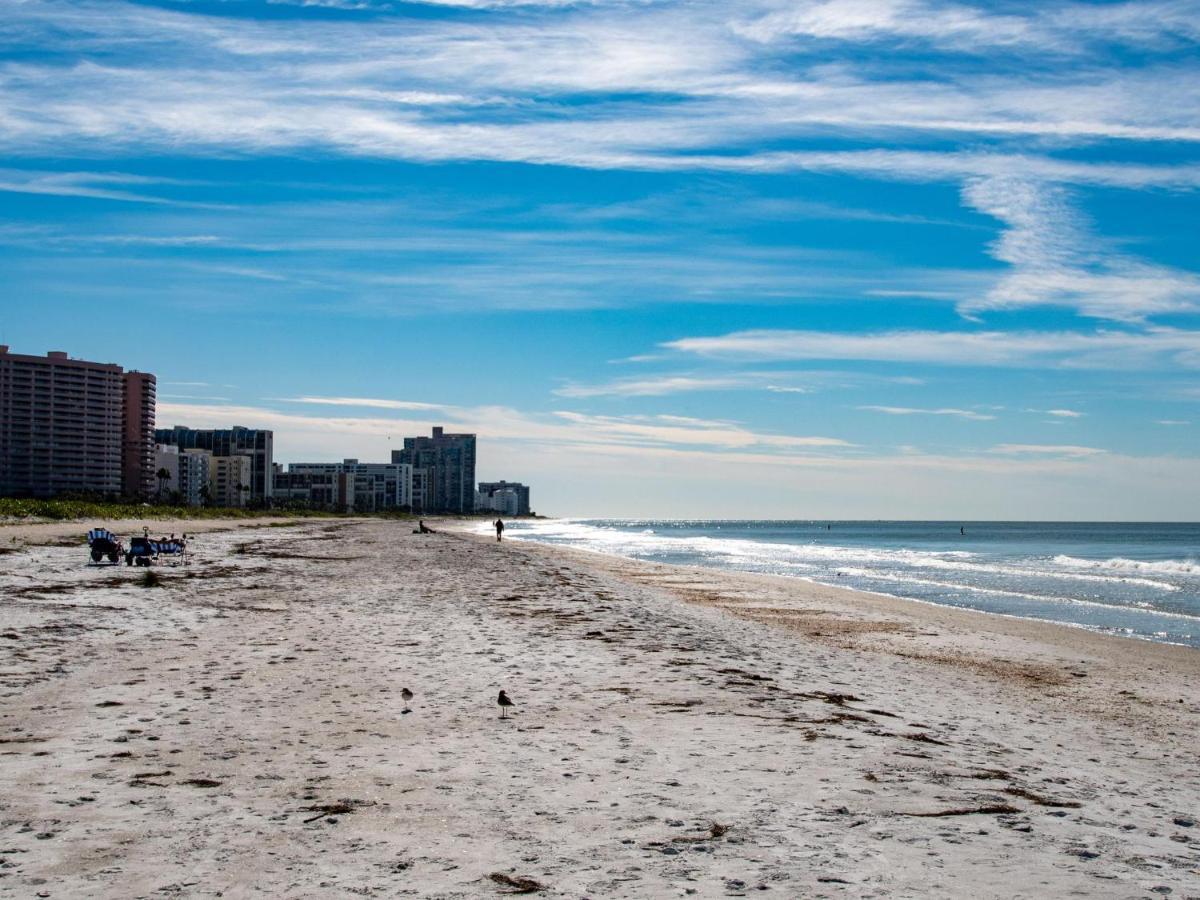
<point x="1138" y="580"/>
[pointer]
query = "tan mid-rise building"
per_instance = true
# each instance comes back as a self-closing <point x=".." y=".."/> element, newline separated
<point x="229" y="480"/>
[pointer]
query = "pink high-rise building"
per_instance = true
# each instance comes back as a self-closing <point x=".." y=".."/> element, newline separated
<point x="70" y="425"/>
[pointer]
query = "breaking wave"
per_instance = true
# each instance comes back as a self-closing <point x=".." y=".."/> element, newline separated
<point x="1031" y="570"/>
<point x="1120" y="564"/>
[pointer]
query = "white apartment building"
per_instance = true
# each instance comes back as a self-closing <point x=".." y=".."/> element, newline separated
<point x="349" y="485"/>
<point x="187" y="473"/>
<point x="505" y="501"/>
<point x="195" y="467"/>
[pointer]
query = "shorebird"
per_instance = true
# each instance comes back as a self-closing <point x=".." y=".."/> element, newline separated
<point x="504" y="703"/>
<point x="406" y="695"/>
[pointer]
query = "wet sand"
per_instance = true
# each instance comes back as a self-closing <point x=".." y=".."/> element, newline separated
<point x="237" y="729"/>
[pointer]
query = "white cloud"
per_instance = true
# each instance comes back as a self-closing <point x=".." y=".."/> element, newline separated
<point x="662" y="385"/>
<point x="1067" y="450"/>
<point x="865" y="20"/>
<point x="1064" y="413"/>
<point x="365" y="402"/>
<point x="974" y="28"/>
<point x="683" y="431"/>
<point x="654" y="387"/>
<point x="945" y="411"/>
<point x="1057" y="262"/>
<point x="562" y="428"/>
<point x="95" y="185"/>
<point x="1038" y="349"/>
<point x="648" y="438"/>
<point x="1172" y="422"/>
<point x="450" y="89"/>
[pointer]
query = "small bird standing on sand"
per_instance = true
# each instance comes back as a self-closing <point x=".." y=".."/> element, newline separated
<point x="406" y="695"/>
<point x="504" y="703"/>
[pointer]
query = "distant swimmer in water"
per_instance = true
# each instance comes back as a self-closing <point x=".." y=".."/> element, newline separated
<point x="961" y="530"/>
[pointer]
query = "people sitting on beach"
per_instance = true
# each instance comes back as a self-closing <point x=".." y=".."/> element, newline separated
<point x="422" y="528"/>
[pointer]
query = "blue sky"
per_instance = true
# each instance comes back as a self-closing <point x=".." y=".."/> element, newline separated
<point x="848" y="258"/>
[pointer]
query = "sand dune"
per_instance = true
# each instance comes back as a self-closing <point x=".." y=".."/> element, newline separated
<point x="238" y="730"/>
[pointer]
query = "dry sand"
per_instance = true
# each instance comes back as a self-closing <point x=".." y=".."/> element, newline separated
<point x="238" y="730"/>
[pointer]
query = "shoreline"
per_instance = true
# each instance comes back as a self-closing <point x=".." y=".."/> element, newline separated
<point x="1144" y="622"/>
<point x="1015" y="649"/>
<point x="239" y="728"/>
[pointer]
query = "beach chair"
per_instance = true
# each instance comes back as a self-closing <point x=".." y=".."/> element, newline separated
<point x="142" y="552"/>
<point x="103" y="543"/>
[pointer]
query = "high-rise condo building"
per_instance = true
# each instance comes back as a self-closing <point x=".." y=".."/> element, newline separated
<point x="70" y="425"/>
<point x="137" y="436"/>
<point x="256" y="443"/>
<point x="444" y="467"/>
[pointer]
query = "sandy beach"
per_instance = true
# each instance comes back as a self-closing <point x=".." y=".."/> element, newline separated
<point x="238" y="730"/>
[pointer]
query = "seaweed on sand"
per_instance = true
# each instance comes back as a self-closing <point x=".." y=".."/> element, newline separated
<point x="517" y="884"/>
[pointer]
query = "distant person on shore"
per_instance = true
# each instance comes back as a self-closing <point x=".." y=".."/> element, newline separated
<point x="499" y="529"/>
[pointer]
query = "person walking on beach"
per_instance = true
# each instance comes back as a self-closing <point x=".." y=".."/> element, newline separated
<point x="499" y="529"/>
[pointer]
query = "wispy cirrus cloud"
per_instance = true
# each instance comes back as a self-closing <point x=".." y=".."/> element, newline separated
<point x="773" y="381"/>
<point x="677" y="383"/>
<point x="655" y="387"/>
<point x="405" y="88"/>
<point x="640" y="437"/>
<point x="562" y="428"/>
<point x="93" y="185"/>
<point x="1033" y="349"/>
<point x="971" y="414"/>
<point x="365" y="403"/>
<point x="1056" y="261"/>
<point x="654" y="87"/>
<point x="1067" y="450"/>
<point x="974" y="28"/>
<point x="686" y="431"/>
